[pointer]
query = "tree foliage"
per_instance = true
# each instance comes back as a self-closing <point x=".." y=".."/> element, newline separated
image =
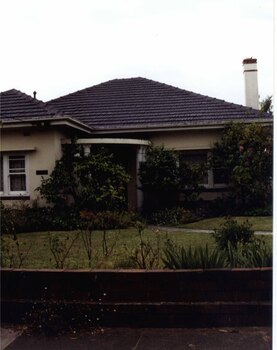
<point x="92" y="182"/>
<point x="163" y="179"/>
<point x="266" y="104"/>
<point x="244" y="156"/>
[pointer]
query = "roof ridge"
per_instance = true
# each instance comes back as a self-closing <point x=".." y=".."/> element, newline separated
<point x="172" y="87"/>
<point x="92" y="87"/>
<point x="39" y="103"/>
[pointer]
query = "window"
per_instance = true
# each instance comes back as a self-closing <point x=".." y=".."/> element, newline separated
<point x="196" y="158"/>
<point x="13" y="175"/>
<point x="220" y="176"/>
<point x="212" y="178"/>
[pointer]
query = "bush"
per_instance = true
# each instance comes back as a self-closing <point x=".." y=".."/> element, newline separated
<point x="174" y="216"/>
<point x="163" y="177"/>
<point x="178" y="257"/>
<point x="27" y="219"/>
<point x="107" y="220"/>
<point x="267" y="211"/>
<point x="244" y="157"/>
<point x="231" y="233"/>
<point x="254" y="254"/>
<point x="95" y="182"/>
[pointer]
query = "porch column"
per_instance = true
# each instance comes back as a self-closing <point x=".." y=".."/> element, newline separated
<point x="140" y="158"/>
<point x="86" y="149"/>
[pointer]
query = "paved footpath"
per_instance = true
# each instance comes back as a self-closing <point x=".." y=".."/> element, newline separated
<point x="181" y="229"/>
<point x="248" y="338"/>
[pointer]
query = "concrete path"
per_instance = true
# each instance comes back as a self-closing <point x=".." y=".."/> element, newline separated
<point x="249" y="338"/>
<point x="181" y="229"/>
<point x="8" y="335"/>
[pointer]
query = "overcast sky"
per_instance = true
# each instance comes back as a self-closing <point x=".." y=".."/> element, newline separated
<point x="59" y="46"/>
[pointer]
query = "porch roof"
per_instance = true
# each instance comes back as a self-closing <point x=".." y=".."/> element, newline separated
<point x="111" y="141"/>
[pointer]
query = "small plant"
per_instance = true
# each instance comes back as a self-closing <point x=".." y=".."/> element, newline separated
<point x="230" y="232"/>
<point x="178" y="257"/>
<point x="103" y="222"/>
<point x="147" y="254"/>
<point x="14" y="252"/>
<point x="254" y="254"/>
<point x="7" y="252"/>
<point x="61" y="247"/>
<point x="86" y="233"/>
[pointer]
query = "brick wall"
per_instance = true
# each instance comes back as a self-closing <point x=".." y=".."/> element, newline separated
<point x="202" y="298"/>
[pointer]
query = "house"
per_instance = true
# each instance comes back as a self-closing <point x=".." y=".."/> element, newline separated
<point x="125" y="115"/>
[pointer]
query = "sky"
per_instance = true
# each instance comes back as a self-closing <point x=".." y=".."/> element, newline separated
<point x="56" y="47"/>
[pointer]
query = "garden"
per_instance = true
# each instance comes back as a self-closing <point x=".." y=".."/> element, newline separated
<point x="86" y="224"/>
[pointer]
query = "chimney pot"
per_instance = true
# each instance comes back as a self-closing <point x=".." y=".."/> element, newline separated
<point x="35" y="93"/>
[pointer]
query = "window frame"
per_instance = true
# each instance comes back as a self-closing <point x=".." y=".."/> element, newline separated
<point x="210" y="174"/>
<point x="7" y="174"/>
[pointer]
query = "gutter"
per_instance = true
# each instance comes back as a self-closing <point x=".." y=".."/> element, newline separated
<point x="32" y="122"/>
<point x="189" y="126"/>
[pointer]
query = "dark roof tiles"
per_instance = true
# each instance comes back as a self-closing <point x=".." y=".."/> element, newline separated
<point x="15" y="105"/>
<point x="140" y="102"/>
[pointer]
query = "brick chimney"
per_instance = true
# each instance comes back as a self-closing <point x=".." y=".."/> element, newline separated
<point x="251" y="82"/>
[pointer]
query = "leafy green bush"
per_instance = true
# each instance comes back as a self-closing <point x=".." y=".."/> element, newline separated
<point x="163" y="177"/>
<point x="254" y="254"/>
<point x="244" y="157"/>
<point x="232" y="233"/>
<point x="27" y="219"/>
<point x="178" y="257"/>
<point x="267" y="211"/>
<point x="174" y="216"/>
<point x="107" y="220"/>
<point x="95" y="182"/>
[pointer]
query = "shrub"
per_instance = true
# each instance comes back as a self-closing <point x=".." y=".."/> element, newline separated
<point x="163" y="177"/>
<point x="254" y="254"/>
<point x="178" y="257"/>
<point x="267" y="211"/>
<point x="230" y="232"/>
<point x="147" y="254"/>
<point x="95" y="182"/>
<point x="60" y="248"/>
<point x="14" y="251"/>
<point x="174" y="216"/>
<point x="27" y="219"/>
<point x="244" y="157"/>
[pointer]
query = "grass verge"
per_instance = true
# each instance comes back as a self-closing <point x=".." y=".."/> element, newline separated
<point x="259" y="223"/>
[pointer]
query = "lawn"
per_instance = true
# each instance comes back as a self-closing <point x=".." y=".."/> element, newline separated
<point x="125" y="242"/>
<point x="259" y="223"/>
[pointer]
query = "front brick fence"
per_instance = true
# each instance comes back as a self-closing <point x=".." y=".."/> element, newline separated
<point x="139" y="298"/>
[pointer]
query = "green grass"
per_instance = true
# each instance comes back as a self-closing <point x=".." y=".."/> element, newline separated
<point x="259" y="223"/>
<point x="40" y="255"/>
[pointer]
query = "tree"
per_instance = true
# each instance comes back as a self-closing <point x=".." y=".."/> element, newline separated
<point x="159" y="177"/>
<point x="266" y="104"/>
<point x="92" y="182"/>
<point x="163" y="178"/>
<point x="244" y="156"/>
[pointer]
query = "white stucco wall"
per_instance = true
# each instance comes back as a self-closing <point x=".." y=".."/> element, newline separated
<point x="42" y="147"/>
<point x="186" y="139"/>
